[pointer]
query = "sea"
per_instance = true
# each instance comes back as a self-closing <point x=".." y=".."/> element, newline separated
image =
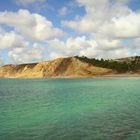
<point x="70" y="109"/>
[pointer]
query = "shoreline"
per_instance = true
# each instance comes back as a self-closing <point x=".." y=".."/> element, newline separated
<point x="77" y="77"/>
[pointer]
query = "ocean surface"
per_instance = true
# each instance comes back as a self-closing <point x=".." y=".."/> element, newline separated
<point x="70" y="109"/>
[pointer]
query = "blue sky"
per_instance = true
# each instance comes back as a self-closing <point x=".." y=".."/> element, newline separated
<point x="48" y="8"/>
<point x="39" y="30"/>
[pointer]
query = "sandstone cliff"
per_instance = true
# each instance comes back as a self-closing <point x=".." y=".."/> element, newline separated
<point x="62" y="67"/>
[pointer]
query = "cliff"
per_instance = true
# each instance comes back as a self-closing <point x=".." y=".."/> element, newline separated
<point x="62" y="67"/>
<point x="73" y="67"/>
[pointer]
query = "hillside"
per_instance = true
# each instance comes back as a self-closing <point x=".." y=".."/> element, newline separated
<point x="70" y="67"/>
<point x="62" y="67"/>
<point x="132" y="62"/>
<point x="122" y="65"/>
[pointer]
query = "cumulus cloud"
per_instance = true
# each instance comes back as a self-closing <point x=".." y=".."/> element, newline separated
<point x="136" y="43"/>
<point x="108" y="24"/>
<point x="100" y="2"/>
<point x="71" y="46"/>
<point x="136" y="46"/>
<point x="55" y="55"/>
<point x="106" y="53"/>
<point x="27" y="54"/>
<point x="108" y="44"/>
<point x="113" y="19"/>
<point x="11" y="40"/>
<point x="20" y="50"/>
<point x="82" y="46"/>
<point x="33" y="26"/>
<point x="123" y="27"/>
<point x="106" y="27"/>
<point x="27" y="2"/>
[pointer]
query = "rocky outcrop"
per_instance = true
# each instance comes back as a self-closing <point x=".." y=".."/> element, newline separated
<point x="62" y="67"/>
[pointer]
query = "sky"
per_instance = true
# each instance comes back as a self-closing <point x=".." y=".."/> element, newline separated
<point x="40" y="30"/>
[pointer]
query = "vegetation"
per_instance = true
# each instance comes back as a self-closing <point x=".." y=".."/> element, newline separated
<point x="135" y="64"/>
<point x="119" y="66"/>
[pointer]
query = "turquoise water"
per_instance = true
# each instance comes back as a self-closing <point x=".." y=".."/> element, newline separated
<point x="70" y="109"/>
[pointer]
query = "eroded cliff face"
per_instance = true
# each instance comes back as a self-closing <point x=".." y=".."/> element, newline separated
<point x="62" y="67"/>
<point x="22" y="71"/>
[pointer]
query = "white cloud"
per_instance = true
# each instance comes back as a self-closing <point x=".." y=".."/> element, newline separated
<point x="118" y="53"/>
<point x="20" y="50"/>
<point x="108" y="44"/>
<point x="110" y="54"/>
<point x="123" y="27"/>
<point x="100" y="2"/>
<point x="136" y="43"/>
<point x="63" y="11"/>
<point x="107" y="23"/>
<point x="136" y="46"/>
<point x="107" y="49"/>
<point x="27" y="54"/>
<point x="30" y="25"/>
<point x="92" y="2"/>
<point x="90" y="52"/>
<point x="11" y="40"/>
<point x="27" y="2"/>
<point x="72" y="46"/>
<point x="82" y="46"/>
<point x="110" y="19"/>
<point x="54" y="55"/>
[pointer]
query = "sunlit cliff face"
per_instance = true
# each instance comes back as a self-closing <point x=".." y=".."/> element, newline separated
<point x="62" y="67"/>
